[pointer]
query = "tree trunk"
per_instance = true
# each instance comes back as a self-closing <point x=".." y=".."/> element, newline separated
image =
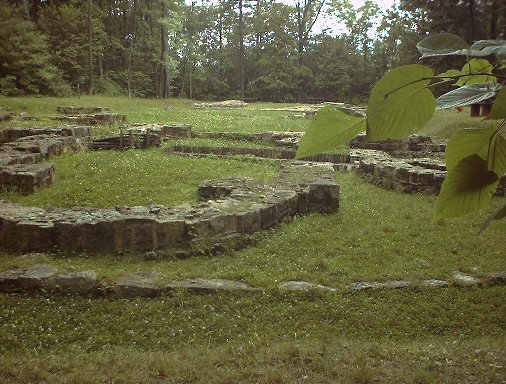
<point x="164" y="75"/>
<point x="241" y="49"/>
<point x="131" y="50"/>
<point x="471" y="22"/>
<point x="90" y="46"/>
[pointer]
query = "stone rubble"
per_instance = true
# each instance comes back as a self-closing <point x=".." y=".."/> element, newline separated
<point x="88" y="115"/>
<point x="226" y="104"/>
<point x="23" y="150"/>
<point x="45" y="278"/>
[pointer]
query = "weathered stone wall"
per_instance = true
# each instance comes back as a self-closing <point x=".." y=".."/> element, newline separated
<point x="88" y="115"/>
<point x="413" y="143"/>
<point x="78" y="110"/>
<point x="423" y="175"/>
<point x="247" y="207"/>
<point x="271" y="153"/>
<point x="163" y="130"/>
<point x="23" y="149"/>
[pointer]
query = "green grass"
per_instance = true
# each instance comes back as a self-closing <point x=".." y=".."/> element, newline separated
<point x="377" y="234"/>
<point x="134" y="177"/>
<point x="450" y="335"/>
<point x="249" y="119"/>
<point x="207" y="142"/>
<point x="446" y="123"/>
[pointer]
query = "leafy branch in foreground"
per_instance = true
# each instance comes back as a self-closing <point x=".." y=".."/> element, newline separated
<point x="402" y="102"/>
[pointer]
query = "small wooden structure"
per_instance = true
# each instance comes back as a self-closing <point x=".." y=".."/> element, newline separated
<point x="481" y="109"/>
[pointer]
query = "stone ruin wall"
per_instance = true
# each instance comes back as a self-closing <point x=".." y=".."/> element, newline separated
<point x="235" y="207"/>
<point x="394" y="164"/>
<point x="182" y="228"/>
<point x="23" y="152"/>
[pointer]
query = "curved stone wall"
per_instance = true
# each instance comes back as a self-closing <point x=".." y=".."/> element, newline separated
<point x="235" y="207"/>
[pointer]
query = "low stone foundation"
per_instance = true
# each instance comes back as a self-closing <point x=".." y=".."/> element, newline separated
<point x="235" y="207"/>
<point x="78" y="110"/>
<point x="46" y="278"/>
<point x="163" y="130"/>
<point x="88" y="115"/>
<point x="19" y="159"/>
<point x="413" y="143"/>
<point x="27" y="178"/>
<point x="423" y="175"/>
<point x="269" y="153"/>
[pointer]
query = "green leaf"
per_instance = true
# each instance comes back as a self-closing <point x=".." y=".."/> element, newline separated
<point x="451" y="73"/>
<point x="469" y="94"/>
<point x="497" y="155"/>
<point x="400" y="103"/>
<point x="446" y="44"/>
<point x="497" y="215"/>
<point x="474" y="67"/>
<point x="468" y="142"/>
<point x="329" y="129"/>
<point x="488" y="47"/>
<point x="441" y="44"/>
<point x="486" y="143"/>
<point x="468" y="187"/>
<point x="499" y="106"/>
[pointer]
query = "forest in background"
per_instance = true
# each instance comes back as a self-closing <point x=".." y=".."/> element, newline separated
<point x="244" y="49"/>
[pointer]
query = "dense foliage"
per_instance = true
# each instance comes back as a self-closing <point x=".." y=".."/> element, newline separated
<point x="217" y="49"/>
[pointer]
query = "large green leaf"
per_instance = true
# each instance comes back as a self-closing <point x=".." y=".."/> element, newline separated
<point x="450" y="73"/>
<point x="486" y="143"/>
<point x="441" y="44"/>
<point x="467" y="95"/>
<point x="467" y="188"/>
<point x="400" y="103"/>
<point x="446" y="44"/>
<point x="468" y="142"/>
<point x="488" y="47"/>
<point x="497" y="215"/>
<point x="497" y="155"/>
<point x="476" y="69"/>
<point x="499" y="107"/>
<point x="329" y="129"/>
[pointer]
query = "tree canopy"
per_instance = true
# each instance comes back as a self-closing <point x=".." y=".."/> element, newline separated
<point x="217" y="49"/>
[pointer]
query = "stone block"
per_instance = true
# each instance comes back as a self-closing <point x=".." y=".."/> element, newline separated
<point x="28" y="278"/>
<point x="372" y="285"/>
<point x="401" y="174"/>
<point x="77" y="282"/>
<point x="209" y="285"/>
<point x="32" y="235"/>
<point x="304" y="286"/>
<point x="176" y="130"/>
<point x="268" y="217"/>
<point x="249" y="221"/>
<point x="323" y="196"/>
<point x="87" y="234"/>
<point x="170" y="232"/>
<point x="216" y="225"/>
<point x="77" y="110"/>
<point x="27" y="178"/>
<point x="426" y="177"/>
<point x="139" y="284"/>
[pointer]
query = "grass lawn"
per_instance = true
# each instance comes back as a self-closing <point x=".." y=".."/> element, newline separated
<point x="449" y="335"/>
